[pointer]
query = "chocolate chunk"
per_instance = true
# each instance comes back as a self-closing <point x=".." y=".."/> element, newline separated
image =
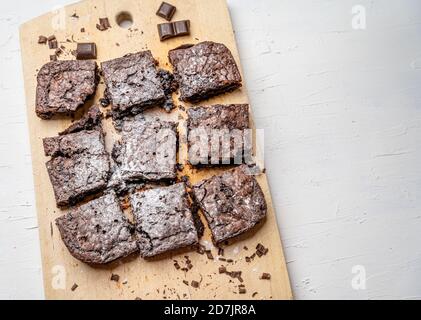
<point x="86" y="51"/>
<point x="166" y="31"/>
<point x="181" y="28"/>
<point x="53" y="57"/>
<point x="53" y="44"/>
<point x="195" y="284"/>
<point x="261" y="250"/>
<point x="82" y="29"/>
<point x="176" y="265"/>
<point x="166" y="11"/>
<point x="209" y="254"/>
<point x="242" y="290"/>
<point x="42" y="40"/>
<point x="115" y="277"/>
<point x="265" y="276"/>
<point x="173" y="29"/>
<point x="105" y="23"/>
<point x="220" y="252"/>
<point x="51" y="38"/>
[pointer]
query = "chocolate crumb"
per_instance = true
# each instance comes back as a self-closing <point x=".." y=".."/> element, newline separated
<point x="176" y="265"/>
<point x="220" y="251"/>
<point x="104" y="102"/>
<point x="51" y="38"/>
<point x="222" y="259"/>
<point x="42" y="40"/>
<point x="82" y="29"/>
<point x="222" y="269"/>
<point x="245" y="248"/>
<point x="195" y="284"/>
<point x="186" y="282"/>
<point x="115" y="277"/>
<point x="105" y="23"/>
<point x="200" y="249"/>
<point x="74" y="15"/>
<point x="230" y="261"/>
<point x="137" y="298"/>
<point x="74" y="287"/>
<point x="209" y="254"/>
<point x="242" y="290"/>
<point x="53" y="57"/>
<point x="265" y="276"/>
<point x="254" y="294"/>
<point x="53" y="44"/>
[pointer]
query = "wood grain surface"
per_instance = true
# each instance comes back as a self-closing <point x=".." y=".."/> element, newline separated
<point x="157" y="279"/>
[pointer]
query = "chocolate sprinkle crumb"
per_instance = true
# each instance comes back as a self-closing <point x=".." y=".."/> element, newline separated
<point x="115" y="277"/>
<point x="74" y="287"/>
<point x="265" y="276"/>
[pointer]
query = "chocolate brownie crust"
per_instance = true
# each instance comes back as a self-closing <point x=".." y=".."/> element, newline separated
<point x="204" y="70"/>
<point x="147" y="150"/>
<point x="97" y="232"/>
<point x="133" y="83"/>
<point x="232" y="203"/>
<point x="79" y="166"/>
<point x="164" y="220"/>
<point x="220" y="123"/>
<point x="64" y="86"/>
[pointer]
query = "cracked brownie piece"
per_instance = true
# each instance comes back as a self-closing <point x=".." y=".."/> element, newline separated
<point x="90" y="121"/>
<point x="225" y="129"/>
<point x="232" y="203"/>
<point x="133" y="83"/>
<point x="97" y="232"/>
<point x="164" y="220"/>
<point x="147" y="149"/>
<point x="79" y="165"/>
<point x="64" y="86"/>
<point x="169" y="85"/>
<point x="204" y="70"/>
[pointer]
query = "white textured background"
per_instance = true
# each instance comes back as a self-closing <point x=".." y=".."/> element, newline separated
<point x="341" y="109"/>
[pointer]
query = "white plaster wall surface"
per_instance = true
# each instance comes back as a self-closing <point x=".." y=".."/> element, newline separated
<point x="341" y="111"/>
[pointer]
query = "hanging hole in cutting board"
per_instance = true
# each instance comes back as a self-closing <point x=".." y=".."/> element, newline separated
<point x="124" y="19"/>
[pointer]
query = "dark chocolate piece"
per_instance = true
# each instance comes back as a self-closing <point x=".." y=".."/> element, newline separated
<point x="42" y="40"/>
<point x="105" y="23"/>
<point x="64" y="86"/>
<point x="86" y="51"/>
<point x="166" y="11"/>
<point x="97" y="232"/>
<point x="53" y="44"/>
<point x="232" y="203"/>
<point x="226" y="129"/>
<point x="164" y="220"/>
<point x="133" y="83"/>
<point x="147" y="150"/>
<point x="204" y="70"/>
<point x="173" y="29"/>
<point x="79" y="166"/>
<point x="265" y="276"/>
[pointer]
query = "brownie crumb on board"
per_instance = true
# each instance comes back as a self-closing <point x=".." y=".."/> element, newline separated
<point x="195" y="284"/>
<point x="265" y="276"/>
<point x="220" y="251"/>
<point x="186" y="282"/>
<point x="261" y="250"/>
<point x="177" y="265"/>
<point x="242" y="290"/>
<point x="222" y="269"/>
<point x="74" y="287"/>
<point x="115" y="277"/>
<point x="209" y="254"/>
<point x="254" y="294"/>
<point x="53" y="57"/>
<point x="42" y="40"/>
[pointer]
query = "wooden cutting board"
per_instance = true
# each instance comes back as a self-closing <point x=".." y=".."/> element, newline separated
<point x="156" y="279"/>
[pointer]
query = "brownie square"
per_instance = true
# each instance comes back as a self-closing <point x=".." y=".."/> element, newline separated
<point x="64" y="86"/>
<point x="79" y="165"/>
<point x="164" y="220"/>
<point x="147" y="149"/>
<point x="225" y="128"/>
<point x="232" y="203"/>
<point x="97" y="232"/>
<point x="133" y="83"/>
<point x="204" y="70"/>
